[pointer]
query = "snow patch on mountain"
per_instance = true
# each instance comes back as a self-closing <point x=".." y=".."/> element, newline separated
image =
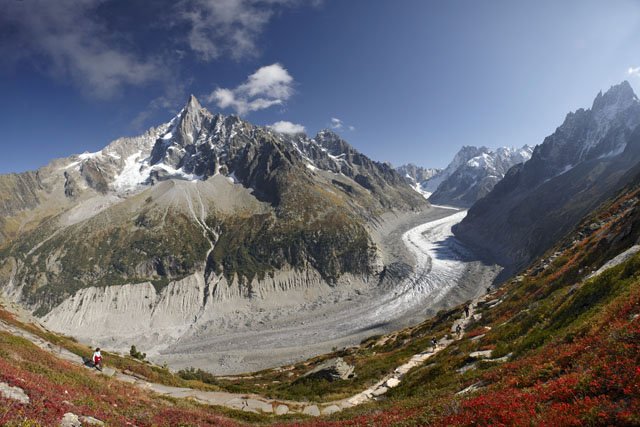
<point x="134" y="173"/>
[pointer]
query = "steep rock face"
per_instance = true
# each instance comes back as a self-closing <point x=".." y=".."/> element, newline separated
<point x="154" y="317"/>
<point x="379" y="178"/>
<point x="18" y="192"/>
<point x="465" y="154"/>
<point x="417" y="174"/>
<point x="474" y="178"/>
<point x="472" y="173"/>
<point x="571" y="172"/>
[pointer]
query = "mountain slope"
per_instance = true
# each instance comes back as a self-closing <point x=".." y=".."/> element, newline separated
<point x="570" y="173"/>
<point x="203" y="220"/>
<point x="555" y="345"/>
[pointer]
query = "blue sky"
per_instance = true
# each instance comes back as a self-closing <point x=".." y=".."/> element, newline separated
<point x="409" y="80"/>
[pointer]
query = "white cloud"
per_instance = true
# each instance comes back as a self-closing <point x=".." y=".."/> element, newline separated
<point x="75" y="45"/>
<point x="273" y="81"/>
<point x="268" y="86"/>
<point x="228" y="27"/>
<point x="338" y="124"/>
<point x="286" y="127"/>
<point x="634" y="71"/>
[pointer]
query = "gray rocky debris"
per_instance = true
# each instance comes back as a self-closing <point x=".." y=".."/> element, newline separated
<point x="70" y="420"/>
<point x="86" y="420"/>
<point x="14" y="393"/>
<point x="312" y="410"/>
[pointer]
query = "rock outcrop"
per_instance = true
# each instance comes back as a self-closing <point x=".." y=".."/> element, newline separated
<point x="332" y="370"/>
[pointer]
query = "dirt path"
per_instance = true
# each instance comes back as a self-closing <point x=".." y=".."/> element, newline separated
<point x="259" y="404"/>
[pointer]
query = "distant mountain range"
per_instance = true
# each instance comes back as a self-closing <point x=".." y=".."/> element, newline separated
<point x="593" y="154"/>
<point x="470" y="176"/>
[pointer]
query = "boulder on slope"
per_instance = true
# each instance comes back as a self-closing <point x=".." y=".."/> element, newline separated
<point x="331" y="370"/>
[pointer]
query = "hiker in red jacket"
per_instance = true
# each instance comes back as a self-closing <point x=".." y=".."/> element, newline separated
<point x="97" y="359"/>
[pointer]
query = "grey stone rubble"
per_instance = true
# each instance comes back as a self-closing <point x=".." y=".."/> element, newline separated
<point x="486" y="354"/>
<point x="616" y="260"/>
<point x="15" y="393"/>
<point x="473" y="387"/>
<point x="90" y="421"/>
<point x="70" y="420"/>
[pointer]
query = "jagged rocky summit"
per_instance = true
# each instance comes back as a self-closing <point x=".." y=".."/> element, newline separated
<point x="590" y="156"/>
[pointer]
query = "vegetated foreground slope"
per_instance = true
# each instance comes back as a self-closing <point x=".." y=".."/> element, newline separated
<point x="555" y="346"/>
<point x="55" y="387"/>
<point x="559" y="345"/>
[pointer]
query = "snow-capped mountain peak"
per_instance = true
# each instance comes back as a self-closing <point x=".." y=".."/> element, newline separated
<point x="616" y="99"/>
<point x="196" y="145"/>
<point x="601" y="131"/>
<point x="472" y="173"/>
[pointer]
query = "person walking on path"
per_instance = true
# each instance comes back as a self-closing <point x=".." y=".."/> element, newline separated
<point x="466" y="310"/>
<point x="97" y="359"/>
<point x="458" y="330"/>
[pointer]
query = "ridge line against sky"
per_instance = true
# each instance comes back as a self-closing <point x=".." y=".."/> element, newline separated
<point x="403" y="81"/>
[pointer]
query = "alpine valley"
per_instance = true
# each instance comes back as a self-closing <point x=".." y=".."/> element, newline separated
<point x="288" y="280"/>
<point x="211" y="242"/>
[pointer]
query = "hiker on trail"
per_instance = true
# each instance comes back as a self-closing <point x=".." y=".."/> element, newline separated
<point x="466" y="310"/>
<point x="97" y="359"/>
<point x="434" y="343"/>
<point x="458" y="329"/>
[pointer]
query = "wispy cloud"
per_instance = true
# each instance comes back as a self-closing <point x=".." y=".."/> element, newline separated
<point x="171" y="98"/>
<point x="268" y="86"/>
<point x="634" y="71"/>
<point x="74" y="45"/>
<point x="338" y="124"/>
<point x="228" y="27"/>
<point x="287" y="127"/>
<point x="76" y="42"/>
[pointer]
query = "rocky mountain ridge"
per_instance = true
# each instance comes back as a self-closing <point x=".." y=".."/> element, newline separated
<point x="572" y="171"/>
